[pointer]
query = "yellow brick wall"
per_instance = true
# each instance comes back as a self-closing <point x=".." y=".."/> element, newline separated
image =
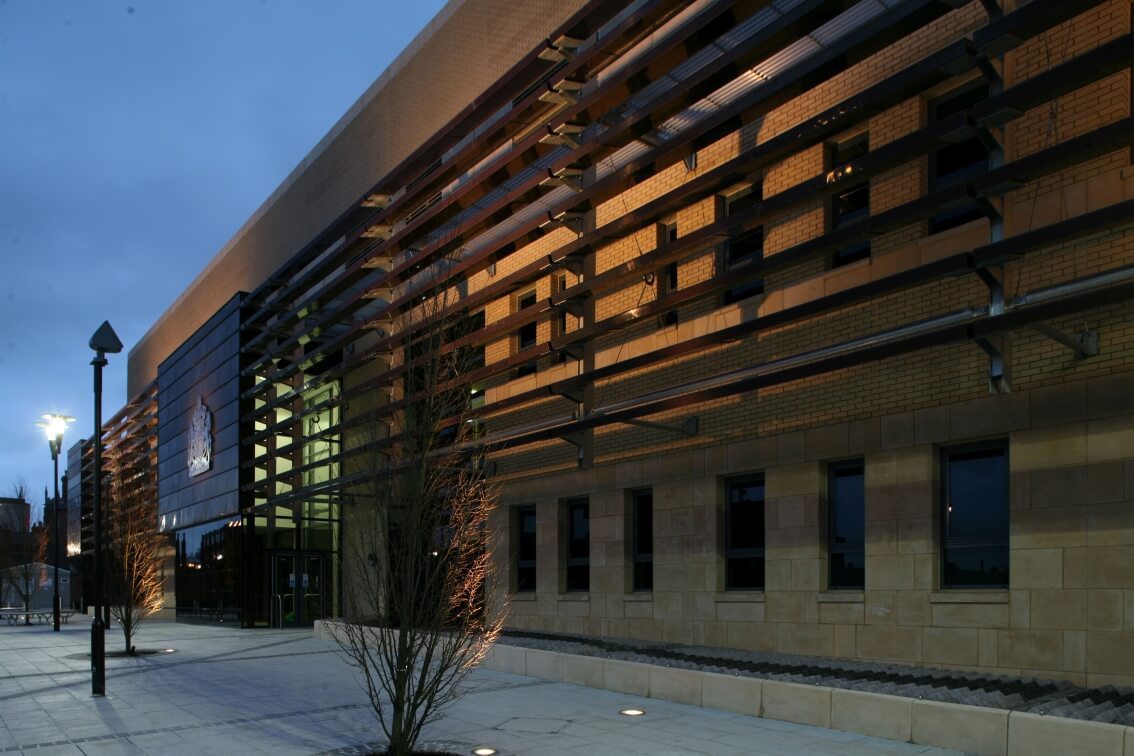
<point x="1068" y="421"/>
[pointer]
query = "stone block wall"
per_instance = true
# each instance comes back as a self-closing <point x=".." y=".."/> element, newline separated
<point x="1068" y="611"/>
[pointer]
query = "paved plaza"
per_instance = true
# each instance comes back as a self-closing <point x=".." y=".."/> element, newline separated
<point x="223" y="690"/>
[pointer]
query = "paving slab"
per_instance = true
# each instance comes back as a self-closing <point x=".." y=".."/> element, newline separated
<point x="223" y="690"/>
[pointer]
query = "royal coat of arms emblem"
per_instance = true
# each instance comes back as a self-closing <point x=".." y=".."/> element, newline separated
<point x="200" y="439"/>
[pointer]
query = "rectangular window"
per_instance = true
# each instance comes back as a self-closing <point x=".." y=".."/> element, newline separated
<point x="745" y="249"/>
<point x="526" y="334"/>
<point x="955" y="163"/>
<point x="744" y="534"/>
<point x="559" y="284"/>
<point x="525" y="528"/>
<point x="852" y="203"/>
<point x="974" y="516"/>
<point x="642" y="539"/>
<point x="470" y="356"/>
<point x="846" y="503"/>
<point x="578" y="561"/>
<point x="667" y="276"/>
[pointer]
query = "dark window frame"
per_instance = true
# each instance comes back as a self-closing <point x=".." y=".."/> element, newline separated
<point x="527" y="335"/>
<point x="667" y="276"/>
<point x="949" y="543"/>
<point x="559" y="284"/>
<point x="838" y="154"/>
<point x="742" y="251"/>
<point x="752" y="557"/>
<point x="942" y="106"/>
<point x="577" y="569"/>
<point x="641" y="561"/>
<point x="523" y="565"/>
<point x="836" y="470"/>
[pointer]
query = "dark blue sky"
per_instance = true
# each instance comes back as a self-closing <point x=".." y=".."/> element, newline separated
<point x="135" y="138"/>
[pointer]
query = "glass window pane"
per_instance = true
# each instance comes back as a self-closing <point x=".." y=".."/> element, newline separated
<point x="848" y="525"/>
<point x="642" y="544"/>
<point x="974" y="516"/>
<point x="746" y="516"/>
<point x="578" y="578"/>
<point x="745" y="574"/>
<point x="526" y="548"/>
<point x="744" y="535"/>
<point x="580" y="526"/>
<point x="578" y="545"/>
<point x="526" y="579"/>
<point x="958" y="162"/>
<point x="848" y="570"/>
<point x="527" y="533"/>
<point x="977" y="566"/>
<point x="643" y="576"/>
<point x="851" y="204"/>
<point x="644" y="524"/>
<point x="975" y="509"/>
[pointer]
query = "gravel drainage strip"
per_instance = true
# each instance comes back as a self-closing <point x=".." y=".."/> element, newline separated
<point x="1055" y="698"/>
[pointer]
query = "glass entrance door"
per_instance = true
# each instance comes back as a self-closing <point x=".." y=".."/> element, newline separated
<point x="298" y="598"/>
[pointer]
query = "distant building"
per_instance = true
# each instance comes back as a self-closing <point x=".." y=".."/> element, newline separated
<point x="15" y="514"/>
<point x="803" y="327"/>
<point x="40" y="577"/>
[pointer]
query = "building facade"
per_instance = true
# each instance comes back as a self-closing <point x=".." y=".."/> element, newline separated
<point x="797" y="326"/>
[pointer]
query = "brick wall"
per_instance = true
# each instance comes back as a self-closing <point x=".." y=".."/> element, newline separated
<point x="1068" y="422"/>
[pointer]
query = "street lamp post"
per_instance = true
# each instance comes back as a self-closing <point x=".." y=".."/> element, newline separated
<point x="104" y="341"/>
<point x="54" y="425"/>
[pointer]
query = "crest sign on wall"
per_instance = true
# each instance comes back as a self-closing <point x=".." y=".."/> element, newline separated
<point x="200" y="439"/>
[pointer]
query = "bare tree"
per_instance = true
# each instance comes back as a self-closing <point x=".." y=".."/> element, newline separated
<point x="23" y="555"/>
<point x="416" y="620"/>
<point x="135" y="580"/>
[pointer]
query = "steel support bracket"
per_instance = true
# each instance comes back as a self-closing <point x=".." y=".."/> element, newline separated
<point x="380" y="201"/>
<point x="572" y="263"/>
<point x="561" y="50"/>
<point x="988" y="71"/>
<point x="990" y="141"/>
<point x="1084" y="344"/>
<point x="988" y="207"/>
<point x="995" y="290"/>
<point x="997" y="381"/>
<point x="576" y="439"/>
<point x="569" y="176"/>
<point x="574" y="305"/>
<point x="575" y="396"/>
<point x="572" y="221"/>
<point x="573" y="350"/>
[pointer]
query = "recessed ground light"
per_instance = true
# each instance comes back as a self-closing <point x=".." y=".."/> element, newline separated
<point x="631" y="712"/>
<point x="484" y="751"/>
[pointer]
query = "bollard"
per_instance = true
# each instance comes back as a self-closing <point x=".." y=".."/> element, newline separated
<point x="98" y="658"/>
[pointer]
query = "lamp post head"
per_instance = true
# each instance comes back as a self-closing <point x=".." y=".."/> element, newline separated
<point x="53" y="426"/>
<point x="105" y="340"/>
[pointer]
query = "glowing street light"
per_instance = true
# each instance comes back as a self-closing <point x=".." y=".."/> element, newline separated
<point x="54" y="425"/>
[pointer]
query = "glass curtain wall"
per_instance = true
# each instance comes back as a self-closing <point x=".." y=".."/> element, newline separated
<point x="292" y="569"/>
<point x="208" y="564"/>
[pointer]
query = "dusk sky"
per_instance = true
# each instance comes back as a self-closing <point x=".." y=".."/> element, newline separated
<point x="135" y="138"/>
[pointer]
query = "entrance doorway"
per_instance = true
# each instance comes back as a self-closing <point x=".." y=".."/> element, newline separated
<point x="298" y="579"/>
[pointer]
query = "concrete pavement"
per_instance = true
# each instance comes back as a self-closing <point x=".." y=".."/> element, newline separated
<point x="229" y="691"/>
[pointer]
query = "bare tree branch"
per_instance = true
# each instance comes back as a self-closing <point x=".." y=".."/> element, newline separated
<point x="417" y="619"/>
<point x="135" y="579"/>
